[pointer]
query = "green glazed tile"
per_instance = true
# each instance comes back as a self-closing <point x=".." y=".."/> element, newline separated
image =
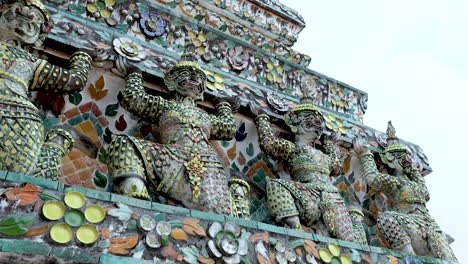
<point x="74" y="254"/>
<point x="207" y="216"/>
<point x="170" y="209"/>
<point x="242" y="222"/>
<point x="131" y="201"/>
<point x="24" y="247"/>
<point x="348" y="244"/>
<point x="44" y="183"/>
<point x="111" y="259"/>
<point x="272" y="228"/>
<point x="90" y="193"/>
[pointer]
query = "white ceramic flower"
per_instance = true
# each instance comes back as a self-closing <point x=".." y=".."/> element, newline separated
<point x="129" y="49"/>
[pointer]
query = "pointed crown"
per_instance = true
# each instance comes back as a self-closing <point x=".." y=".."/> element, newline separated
<point x="393" y="143"/>
<point x="306" y="105"/>
<point x="187" y="60"/>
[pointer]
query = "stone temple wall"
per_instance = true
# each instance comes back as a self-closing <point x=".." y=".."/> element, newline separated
<point x="245" y="50"/>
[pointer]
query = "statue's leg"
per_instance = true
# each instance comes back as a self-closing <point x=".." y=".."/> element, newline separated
<point x="126" y="168"/>
<point x="280" y="202"/>
<point x="394" y="232"/>
<point x="58" y="142"/>
<point x="49" y="162"/>
<point x="439" y="245"/>
<point x="21" y="140"/>
<point x="336" y="216"/>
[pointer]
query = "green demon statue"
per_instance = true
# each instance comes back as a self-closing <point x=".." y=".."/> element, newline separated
<point x="183" y="165"/>
<point x="409" y="227"/>
<point x="23" y="24"/>
<point x="309" y="196"/>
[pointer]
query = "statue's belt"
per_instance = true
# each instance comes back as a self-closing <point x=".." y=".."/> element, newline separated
<point x="298" y="169"/>
<point x="14" y="78"/>
<point x="207" y="156"/>
<point x="311" y="186"/>
<point x="18" y="108"/>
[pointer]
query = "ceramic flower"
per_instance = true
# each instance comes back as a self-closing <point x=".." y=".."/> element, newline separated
<point x="277" y="103"/>
<point x="214" y="81"/>
<point x="238" y="58"/>
<point x="101" y="8"/>
<point x="227" y="242"/>
<point x="336" y="124"/>
<point x="129" y="49"/>
<point x="152" y="24"/>
<point x="333" y="254"/>
<point x="284" y="255"/>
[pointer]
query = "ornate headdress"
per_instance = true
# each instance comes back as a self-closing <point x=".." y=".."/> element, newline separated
<point x="188" y="60"/>
<point x="393" y="143"/>
<point x="46" y="26"/>
<point x="35" y="3"/>
<point x="305" y="105"/>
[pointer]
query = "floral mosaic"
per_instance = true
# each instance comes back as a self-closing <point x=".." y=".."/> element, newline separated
<point x="231" y="59"/>
<point x="231" y="56"/>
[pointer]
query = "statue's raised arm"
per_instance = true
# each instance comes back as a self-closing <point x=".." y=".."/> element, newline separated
<point x="23" y="24"/>
<point x="134" y="98"/>
<point x="329" y="146"/>
<point x="277" y="148"/>
<point x="223" y="124"/>
<point x="408" y="226"/>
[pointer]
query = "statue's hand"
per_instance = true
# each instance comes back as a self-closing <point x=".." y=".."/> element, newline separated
<point x="233" y="101"/>
<point x="255" y="109"/>
<point x="359" y="147"/>
<point x="93" y="53"/>
<point x="123" y="67"/>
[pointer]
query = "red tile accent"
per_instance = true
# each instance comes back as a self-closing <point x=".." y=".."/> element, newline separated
<point x="96" y="111"/>
<point x="86" y="107"/>
<point x="103" y="121"/>
<point x="80" y="164"/>
<point x="68" y="168"/>
<point x="72" y="113"/>
<point x="73" y="179"/>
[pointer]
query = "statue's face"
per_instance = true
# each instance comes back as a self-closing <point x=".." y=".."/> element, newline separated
<point x="407" y="163"/>
<point x="190" y="82"/>
<point x="21" y="23"/>
<point x="310" y="125"/>
<point x="400" y="162"/>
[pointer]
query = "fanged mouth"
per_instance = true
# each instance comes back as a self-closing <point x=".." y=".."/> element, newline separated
<point x="191" y="85"/>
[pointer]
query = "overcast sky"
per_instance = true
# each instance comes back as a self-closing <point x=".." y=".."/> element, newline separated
<point x="411" y="57"/>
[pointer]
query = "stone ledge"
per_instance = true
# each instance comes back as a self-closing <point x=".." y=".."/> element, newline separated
<point x="191" y="225"/>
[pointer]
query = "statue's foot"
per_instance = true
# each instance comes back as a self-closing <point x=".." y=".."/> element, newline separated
<point x="293" y="222"/>
<point x="134" y="187"/>
<point x="407" y="248"/>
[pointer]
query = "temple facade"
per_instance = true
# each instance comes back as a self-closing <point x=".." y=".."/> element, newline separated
<point x="183" y="131"/>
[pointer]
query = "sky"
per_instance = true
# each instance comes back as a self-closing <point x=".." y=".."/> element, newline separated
<point x="411" y="57"/>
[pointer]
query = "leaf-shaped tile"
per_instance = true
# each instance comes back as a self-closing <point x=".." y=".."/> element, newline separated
<point x="15" y="225"/>
<point x="121" y="124"/>
<point x="123" y="213"/>
<point x="27" y="194"/>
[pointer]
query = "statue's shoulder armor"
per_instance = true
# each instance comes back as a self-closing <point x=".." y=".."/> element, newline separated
<point x="17" y="53"/>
